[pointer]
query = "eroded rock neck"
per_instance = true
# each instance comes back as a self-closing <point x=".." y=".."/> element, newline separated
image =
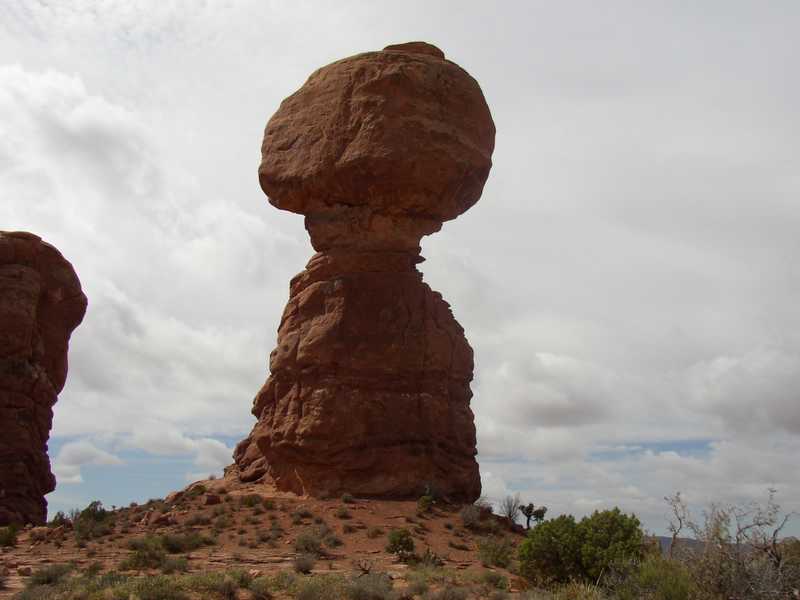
<point x="362" y="228"/>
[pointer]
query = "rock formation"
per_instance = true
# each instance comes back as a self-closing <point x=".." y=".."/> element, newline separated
<point x="369" y="387"/>
<point x="41" y="302"/>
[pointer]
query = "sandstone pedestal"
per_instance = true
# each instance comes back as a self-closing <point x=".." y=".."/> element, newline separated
<point x="369" y="387"/>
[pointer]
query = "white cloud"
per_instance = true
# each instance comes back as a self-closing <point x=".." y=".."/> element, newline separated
<point x="73" y="455"/>
<point x="208" y="454"/>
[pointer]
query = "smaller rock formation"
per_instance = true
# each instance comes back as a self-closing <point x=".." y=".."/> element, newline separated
<point x="41" y="303"/>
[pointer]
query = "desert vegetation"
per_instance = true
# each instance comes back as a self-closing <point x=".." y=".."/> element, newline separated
<point x="736" y="553"/>
<point x="198" y="545"/>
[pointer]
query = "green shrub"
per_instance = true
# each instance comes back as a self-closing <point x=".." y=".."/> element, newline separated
<point x="417" y="586"/>
<point x="320" y="588"/>
<point x="609" y="537"/>
<point x="251" y="500"/>
<point x="495" y="551"/>
<point x="159" y="587"/>
<point x="92" y="522"/>
<point x="309" y="542"/>
<point x="93" y="570"/>
<point x="470" y="516"/>
<point x="226" y="588"/>
<point x="551" y="551"/>
<point x="560" y="550"/>
<point x="240" y="577"/>
<point x="94" y="512"/>
<point x="172" y="564"/>
<point x="303" y="563"/>
<point x="197" y="490"/>
<point x="59" y="520"/>
<point x="331" y="541"/>
<point x="494" y="579"/>
<point x="50" y="575"/>
<point x="223" y="521"/>
<point x="261" y="589"/>
<point x="428" y="559"/>
<point x="222" y="584"/>
<point x="343" y="513"/>
<point x="180" y="543"/>
<point x="400" y="542"/>
<point x="425" y="503"/>
<point x="8" y="536"/>
<point x="580" y="591"/>
<point x="148" y="553"/>
<point x="348" y="498"/>
<point x="372" y="586"/>
<point x="657" y="578"/>
<point x="282" y="581"/>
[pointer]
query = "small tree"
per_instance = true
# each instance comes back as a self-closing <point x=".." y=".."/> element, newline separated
<point x="532" y="512"/>
<point x="510" y="507"/>
<point x="400" y="543"/>
<point x="742" y="551"/>
<point x="677" y="520"/>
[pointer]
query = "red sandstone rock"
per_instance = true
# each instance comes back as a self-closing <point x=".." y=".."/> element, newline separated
<point x="369" y="386"/>
<point x="41" y="302"/>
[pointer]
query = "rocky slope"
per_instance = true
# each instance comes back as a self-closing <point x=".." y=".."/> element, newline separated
<point x="224" y="530"/>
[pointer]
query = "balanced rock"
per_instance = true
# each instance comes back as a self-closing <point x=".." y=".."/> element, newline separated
<point x="41" y="303"/>
<point x="369" y="389"/>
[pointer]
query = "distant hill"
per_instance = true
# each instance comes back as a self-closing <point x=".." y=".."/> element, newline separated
<point x="665" y="542"/>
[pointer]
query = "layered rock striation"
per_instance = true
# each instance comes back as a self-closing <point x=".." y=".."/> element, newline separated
<point x="41" y="303"/>
<point x="369" y="391"/>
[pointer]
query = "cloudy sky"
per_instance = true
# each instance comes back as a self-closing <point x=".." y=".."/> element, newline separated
<point x="629" y="280"/>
